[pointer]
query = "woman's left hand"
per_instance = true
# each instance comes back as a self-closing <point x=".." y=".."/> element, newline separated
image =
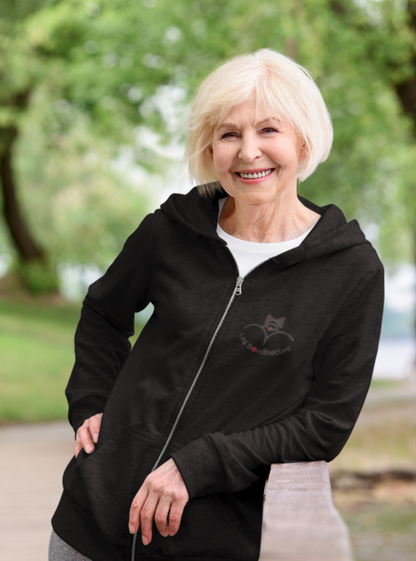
<point x="163" y="495"/>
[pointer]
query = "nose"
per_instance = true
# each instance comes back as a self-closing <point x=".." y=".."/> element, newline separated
<point x="249" y="149"/>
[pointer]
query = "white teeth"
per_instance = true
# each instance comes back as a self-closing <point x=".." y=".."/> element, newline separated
<point x="255" y="175"/>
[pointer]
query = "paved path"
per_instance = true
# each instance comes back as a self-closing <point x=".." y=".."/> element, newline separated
<point x="32" y="460"/>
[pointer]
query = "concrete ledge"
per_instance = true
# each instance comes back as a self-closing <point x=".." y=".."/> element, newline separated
<point x="300" y="521"/>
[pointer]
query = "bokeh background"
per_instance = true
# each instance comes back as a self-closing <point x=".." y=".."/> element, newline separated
<point x="93" y="105"/>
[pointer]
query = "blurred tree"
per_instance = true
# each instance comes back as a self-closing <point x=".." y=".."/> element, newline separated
<point x="114" y="65"/>
<point x="388" y="29"/>
<point x="406" y="84"/>
<point x="14" y="100"/>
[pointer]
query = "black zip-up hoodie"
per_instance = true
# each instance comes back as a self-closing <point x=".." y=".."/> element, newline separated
<point x="227" y="377"/>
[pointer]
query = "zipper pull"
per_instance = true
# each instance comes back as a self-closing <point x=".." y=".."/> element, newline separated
<point x="238" y="286"/>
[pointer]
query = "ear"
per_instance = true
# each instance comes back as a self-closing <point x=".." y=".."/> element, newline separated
<point x="303" y="151"/>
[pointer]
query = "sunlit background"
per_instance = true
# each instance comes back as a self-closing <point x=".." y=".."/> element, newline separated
<point x="94" y="99"/>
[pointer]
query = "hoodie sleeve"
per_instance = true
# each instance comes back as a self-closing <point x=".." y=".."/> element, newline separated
<point x="343" y="366"/>
<point x="107" y="321"/>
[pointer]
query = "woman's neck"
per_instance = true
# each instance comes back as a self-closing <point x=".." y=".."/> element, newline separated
<point x="279" y="221"/>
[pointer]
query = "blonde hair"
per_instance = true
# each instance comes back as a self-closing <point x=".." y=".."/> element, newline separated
<point x="281" y="86"/>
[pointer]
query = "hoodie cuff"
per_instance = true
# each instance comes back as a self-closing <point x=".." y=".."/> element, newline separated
<point x="84" y="410"/>
<point x="201" y="467"/>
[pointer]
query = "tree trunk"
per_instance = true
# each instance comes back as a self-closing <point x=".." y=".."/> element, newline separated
<point x="406" y="91"/>
<point x="27" y="248"/>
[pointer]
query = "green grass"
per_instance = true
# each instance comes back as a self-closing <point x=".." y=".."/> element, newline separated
<point x="36" y="350"/>
<point x="383" y="438"/>
<point x="384" y="384"/>
<point x="382" y="532"/>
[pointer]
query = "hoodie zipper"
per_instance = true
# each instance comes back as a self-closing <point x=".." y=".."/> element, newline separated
<point x="236" y="292"/>
<point x="238" y="289"/>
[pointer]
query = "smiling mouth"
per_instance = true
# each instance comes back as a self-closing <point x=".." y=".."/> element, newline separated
<point x="256" y="175"/>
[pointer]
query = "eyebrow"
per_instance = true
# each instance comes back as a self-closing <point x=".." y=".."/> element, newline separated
<point x="260" y="123"/>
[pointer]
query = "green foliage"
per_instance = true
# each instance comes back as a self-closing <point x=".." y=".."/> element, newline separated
<point x="38" y="277"/>
<point x="79" y="205"/>
<point x="97" y="70"/>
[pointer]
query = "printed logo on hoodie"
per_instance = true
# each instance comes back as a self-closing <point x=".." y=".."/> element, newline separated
<point x="258" y="335"/>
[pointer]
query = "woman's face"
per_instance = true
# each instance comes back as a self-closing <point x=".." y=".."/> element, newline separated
<point x="255" y="156"/>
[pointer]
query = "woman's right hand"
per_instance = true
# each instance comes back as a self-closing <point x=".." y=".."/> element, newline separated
<point x="87" y="434"/>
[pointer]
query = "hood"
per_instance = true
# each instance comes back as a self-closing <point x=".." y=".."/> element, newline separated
<point x="332" y="233"/>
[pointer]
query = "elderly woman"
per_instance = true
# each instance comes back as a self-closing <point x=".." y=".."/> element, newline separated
<point x="260" y="349"/>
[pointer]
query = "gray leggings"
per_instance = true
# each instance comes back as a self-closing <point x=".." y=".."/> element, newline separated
<point x="61" y="551"/>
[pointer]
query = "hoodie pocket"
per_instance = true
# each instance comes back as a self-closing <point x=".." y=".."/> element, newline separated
<point x="205" y="532"/>
<point x="105" y="482"/>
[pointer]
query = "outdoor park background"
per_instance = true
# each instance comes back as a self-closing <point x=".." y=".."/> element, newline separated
<point x="93" y="105"/>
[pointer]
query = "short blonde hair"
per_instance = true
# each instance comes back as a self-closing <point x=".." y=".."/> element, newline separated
<point x="282" y="87"/>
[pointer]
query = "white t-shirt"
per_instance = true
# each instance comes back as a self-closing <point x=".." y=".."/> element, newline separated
<point x="250" y="254"/>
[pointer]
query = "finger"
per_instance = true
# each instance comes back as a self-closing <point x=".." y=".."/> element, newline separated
<point x="95" y="424"/>
<point x="146" y="517"/>
<point x="85" y="438"/>
<point x="78" y="448"/>
<point x="136" y="506"/>
<point x="161" y="516"/>
<point x="175" y="516"/>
